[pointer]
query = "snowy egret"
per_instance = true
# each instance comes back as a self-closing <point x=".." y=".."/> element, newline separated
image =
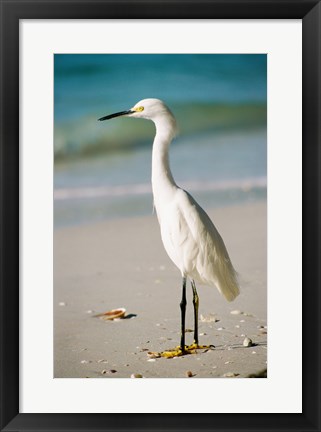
<point x="189" y="236"/>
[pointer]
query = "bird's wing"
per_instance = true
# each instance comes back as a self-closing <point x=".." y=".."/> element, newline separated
<point x="176" y="237"/>
<point x="204" y="251"/>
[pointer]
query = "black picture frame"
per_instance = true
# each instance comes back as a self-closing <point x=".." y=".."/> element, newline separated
<point x="11" y="12"/>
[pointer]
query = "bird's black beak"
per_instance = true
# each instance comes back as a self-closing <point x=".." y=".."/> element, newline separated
<point x="121" y="113"/>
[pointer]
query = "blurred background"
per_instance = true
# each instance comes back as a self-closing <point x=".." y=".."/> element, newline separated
<point x="103" y="169"/>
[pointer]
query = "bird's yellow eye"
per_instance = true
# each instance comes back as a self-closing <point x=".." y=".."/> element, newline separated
<point x="141" y="108"/>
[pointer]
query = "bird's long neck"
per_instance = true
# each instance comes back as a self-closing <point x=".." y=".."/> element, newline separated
<point x="162" y="179"/>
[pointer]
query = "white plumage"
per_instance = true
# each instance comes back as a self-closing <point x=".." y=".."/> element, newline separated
<point x="188" y="234"/>
<point x="190" y="238"/>
<point x="194" y="244"/>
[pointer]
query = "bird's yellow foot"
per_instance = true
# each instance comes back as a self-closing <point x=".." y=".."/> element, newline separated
<point x="194" y="346"/>
<point x="177" y="352"/>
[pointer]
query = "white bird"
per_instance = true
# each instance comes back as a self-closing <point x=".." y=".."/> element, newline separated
<point x="189" y="236"/>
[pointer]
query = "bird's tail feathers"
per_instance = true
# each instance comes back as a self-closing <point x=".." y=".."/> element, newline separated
<point x="227" y="281"/>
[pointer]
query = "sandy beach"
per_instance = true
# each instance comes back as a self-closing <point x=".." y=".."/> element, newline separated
<point x="122" y="263"/>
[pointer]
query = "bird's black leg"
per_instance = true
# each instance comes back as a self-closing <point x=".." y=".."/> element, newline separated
<point x="195" y="303"/>
<point x="183" y="349"/>
<point x="183" y="311"/>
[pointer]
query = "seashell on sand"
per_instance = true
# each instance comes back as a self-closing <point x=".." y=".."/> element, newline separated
<point x="112" y="314"/>
<point x="247" y="342"/>
<point x="236" y="312"/>
<point x="209" y="318"/>
<point x="230" y="375"/>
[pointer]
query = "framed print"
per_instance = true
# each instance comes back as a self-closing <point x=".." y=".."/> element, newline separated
<point x="90" y="299"/>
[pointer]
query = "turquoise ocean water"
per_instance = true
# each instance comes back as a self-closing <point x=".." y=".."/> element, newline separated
<point x="103" y="169"/>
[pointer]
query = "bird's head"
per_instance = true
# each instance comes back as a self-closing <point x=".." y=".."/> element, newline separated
<point x="150" y="109"/>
